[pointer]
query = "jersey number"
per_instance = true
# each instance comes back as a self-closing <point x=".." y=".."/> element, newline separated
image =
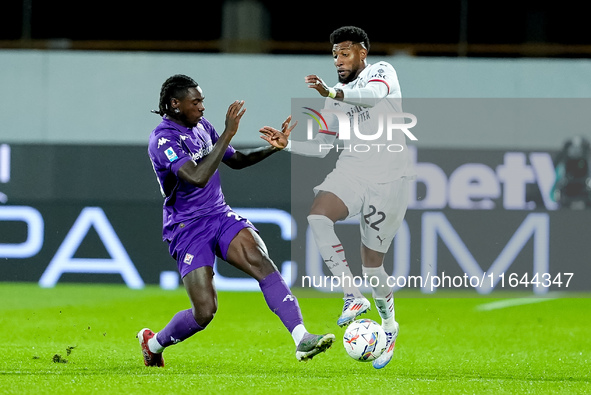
<point x="380" y="214"/>
<point x="233" y="214"/>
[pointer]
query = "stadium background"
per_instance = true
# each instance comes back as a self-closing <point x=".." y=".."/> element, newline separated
<point x="75" y="95"/>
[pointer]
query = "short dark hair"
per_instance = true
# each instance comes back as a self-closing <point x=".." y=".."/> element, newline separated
<point x="175" y="86"/>
<point x="349" y="33"/>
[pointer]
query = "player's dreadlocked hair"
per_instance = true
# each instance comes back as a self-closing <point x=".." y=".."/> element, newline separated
<point x="174" y="87"/>
<point x="350" y="33"/>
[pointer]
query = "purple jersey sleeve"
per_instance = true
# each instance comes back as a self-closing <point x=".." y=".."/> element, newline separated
<point x="166" y="151"/>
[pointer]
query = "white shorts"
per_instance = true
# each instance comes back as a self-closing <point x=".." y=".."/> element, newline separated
<point x="381" y="206"/>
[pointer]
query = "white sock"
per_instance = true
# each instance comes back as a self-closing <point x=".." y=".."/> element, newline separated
<point x="385" y="308"/>
<point x="383" y="296"/>
<point x="332" y="252"/>
<point x="298" y="333"/>
<point x="154" y="346"/>
<point x="380" y="279"/>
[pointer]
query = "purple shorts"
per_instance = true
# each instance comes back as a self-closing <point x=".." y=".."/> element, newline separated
<point x="197" y="243"/>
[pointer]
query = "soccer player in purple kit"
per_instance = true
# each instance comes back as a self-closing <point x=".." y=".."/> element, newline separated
<point x="186" y="151"/>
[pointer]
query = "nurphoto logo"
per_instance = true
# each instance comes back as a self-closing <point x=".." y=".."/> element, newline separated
<point x="379" y="137"/>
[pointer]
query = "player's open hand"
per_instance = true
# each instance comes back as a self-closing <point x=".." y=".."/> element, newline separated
<point x="316" y="82"/>
<point x="276" y="138"/>
<point x="233" y="116"/>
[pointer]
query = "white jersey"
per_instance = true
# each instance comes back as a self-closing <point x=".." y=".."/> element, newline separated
<point x="368" y="101"/>
<point x="382" y="159"/>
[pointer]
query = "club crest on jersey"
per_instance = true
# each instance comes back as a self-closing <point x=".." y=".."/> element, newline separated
<point x="170" y="154"/>
<point x="188" y="259"/>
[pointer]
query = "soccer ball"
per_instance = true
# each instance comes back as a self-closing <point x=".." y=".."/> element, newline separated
<point x="364" y="340"/>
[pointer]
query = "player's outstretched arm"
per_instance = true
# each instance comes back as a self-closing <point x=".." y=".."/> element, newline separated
<point x="245" y="158"/>
<point x="367" y="96"/>
<point x="276" y="138"/>
<point x="316" y="83"/>
<point x="319" y="146"/>
<point x="199" y="174"/>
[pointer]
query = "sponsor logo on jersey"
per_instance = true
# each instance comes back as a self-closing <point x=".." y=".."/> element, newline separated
<point x="162" y="141"/>
<point x="379" y="74"/>
<point x="202" y="152"/>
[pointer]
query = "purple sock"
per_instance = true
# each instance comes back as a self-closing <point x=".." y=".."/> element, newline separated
<point x="281" y="301"/>
<point x="181" y="327"/>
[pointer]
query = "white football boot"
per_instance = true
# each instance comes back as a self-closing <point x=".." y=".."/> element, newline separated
<point x="352" y="308"/>
<point x="386" y="356"/>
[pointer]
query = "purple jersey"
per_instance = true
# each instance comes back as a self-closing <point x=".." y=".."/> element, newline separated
<point x="171" y="146"/>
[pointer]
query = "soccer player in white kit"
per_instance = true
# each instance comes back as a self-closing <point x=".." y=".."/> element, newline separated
<point x="370" y="179"/>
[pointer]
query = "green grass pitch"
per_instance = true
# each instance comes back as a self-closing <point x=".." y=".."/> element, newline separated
<point x="81" y="339"/>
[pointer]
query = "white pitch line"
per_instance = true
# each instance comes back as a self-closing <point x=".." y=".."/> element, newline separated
<point x="502" y="304"/>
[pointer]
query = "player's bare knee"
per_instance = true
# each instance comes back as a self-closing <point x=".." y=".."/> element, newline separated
<point x="329" y="205"/>
<point x="204" y="309"/>
<point x="204" y="313"/>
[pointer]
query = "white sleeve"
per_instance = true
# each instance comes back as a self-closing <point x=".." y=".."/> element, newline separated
<point x="368" y="96"/>
<point x="319" y="146"/>
<point x="381" y="82"/>
<point x="322" y="143"/>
